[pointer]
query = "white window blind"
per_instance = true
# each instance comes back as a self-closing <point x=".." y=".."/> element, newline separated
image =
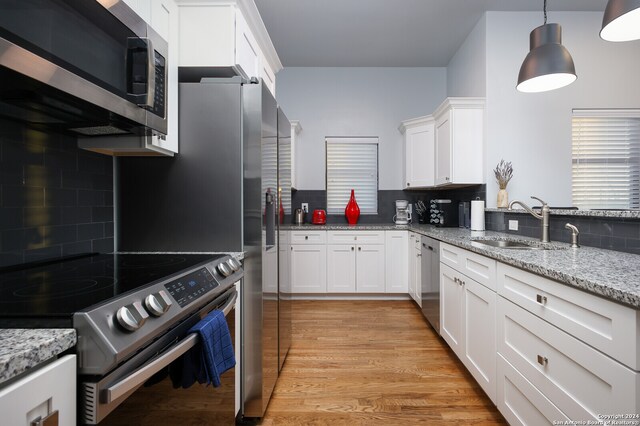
<point x="352" y="163"/>
<point x="284" y="171"/>
<point x="606" y="159"/>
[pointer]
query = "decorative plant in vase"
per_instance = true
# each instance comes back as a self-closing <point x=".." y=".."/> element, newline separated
<point x="504" y="173"/>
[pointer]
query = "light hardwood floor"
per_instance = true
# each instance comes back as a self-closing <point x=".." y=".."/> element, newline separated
<point x="372" y="363"/>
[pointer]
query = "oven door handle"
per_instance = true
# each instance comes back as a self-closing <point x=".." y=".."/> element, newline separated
<point x="141" y="375"/>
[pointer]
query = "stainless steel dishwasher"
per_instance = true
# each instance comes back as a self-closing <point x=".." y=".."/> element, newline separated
<point x="431" y="281"/>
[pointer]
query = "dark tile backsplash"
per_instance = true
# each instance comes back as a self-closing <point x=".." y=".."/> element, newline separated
<point x="386" y="201"/>
<point x="55" y="199"/>
<point x="606" y="233"/>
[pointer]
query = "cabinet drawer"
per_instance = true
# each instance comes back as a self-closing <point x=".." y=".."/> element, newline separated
<point x="520" y="402"/>
<point x="308" y="237"/>
<point x="605" y="325"/>
<point x="480" y="268"/>
<point x="360" y="237"/>
<point x="580" y="381"/>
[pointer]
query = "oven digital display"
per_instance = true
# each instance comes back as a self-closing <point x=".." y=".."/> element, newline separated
<point x="191" y="287"/>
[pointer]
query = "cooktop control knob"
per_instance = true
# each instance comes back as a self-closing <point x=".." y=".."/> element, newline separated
<point x="158" y="303"/>
<point x="234" y="264"/>
<point x="132" y="317"/>
<point x="224" y="269"/>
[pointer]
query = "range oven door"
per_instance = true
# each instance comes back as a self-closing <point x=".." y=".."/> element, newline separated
<point x="86" y="67"/>
<point x="118" y="390"/>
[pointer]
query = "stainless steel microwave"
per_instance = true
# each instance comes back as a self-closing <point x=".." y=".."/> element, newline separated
<point x="86" y="67"/>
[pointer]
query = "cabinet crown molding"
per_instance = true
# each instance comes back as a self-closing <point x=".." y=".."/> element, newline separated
<point x="295" y="125"/>
<point x="251" y="14"/>
<point x="412" y="122"/>
<point x="459" y="103"/>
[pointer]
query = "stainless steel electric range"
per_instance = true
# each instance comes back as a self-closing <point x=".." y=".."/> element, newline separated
<point x="131" y="312"/>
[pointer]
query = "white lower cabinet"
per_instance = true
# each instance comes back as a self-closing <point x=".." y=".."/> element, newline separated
<point x="309" y="268"/>
<point x="520" y="402"/>
<point x="48" y="390"/>
<point x="396" y="262"/>
<point x="581" y="381"/>
<point x="341" y="268"/>
<point x="415" y="269"/>
<point x="467" y="318"/>
<point x="355" y="268"/>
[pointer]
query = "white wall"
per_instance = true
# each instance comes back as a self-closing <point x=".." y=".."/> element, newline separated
<point x="356" y="102"/>
<point x="467" y="70"/>
<point x="534" y="130"/>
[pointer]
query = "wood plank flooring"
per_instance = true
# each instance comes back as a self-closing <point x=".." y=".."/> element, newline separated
<point x="372" y="363"/>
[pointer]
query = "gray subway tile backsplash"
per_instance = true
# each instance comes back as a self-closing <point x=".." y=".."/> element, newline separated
<point x="606" y="233"/>
<point x="49" y="193"/>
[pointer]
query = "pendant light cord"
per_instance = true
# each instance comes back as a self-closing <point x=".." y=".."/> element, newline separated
<point x="545" y="12"/>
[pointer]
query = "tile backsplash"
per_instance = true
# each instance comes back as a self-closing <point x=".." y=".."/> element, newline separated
<point x="55" y="199"/>
<point x="602" y="232"/>
<point x="317" y="199"/>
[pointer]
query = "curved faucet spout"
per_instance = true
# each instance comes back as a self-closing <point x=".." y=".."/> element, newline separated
<point x="526" y="207"/>
<point x="543" y="216"/>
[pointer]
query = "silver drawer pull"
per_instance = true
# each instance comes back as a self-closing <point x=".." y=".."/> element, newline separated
<point x="541" y="299"/>
<point x="306" y="237"/>
<point x="543" y="360"/>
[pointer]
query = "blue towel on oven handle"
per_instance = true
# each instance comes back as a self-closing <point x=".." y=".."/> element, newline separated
<point x="216" y="348"/>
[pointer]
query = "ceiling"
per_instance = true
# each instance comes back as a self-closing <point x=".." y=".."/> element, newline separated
<point x="384" y="33"/>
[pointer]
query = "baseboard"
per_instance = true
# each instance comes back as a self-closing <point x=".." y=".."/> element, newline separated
<point x="348" y="296"/>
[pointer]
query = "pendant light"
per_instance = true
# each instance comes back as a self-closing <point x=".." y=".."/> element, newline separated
<point x="548" y="65"/>
<point x="621" y="21"/>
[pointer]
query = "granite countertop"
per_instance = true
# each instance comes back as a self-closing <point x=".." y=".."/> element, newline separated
<point x="611" y="274"/>
<point x="607" y="273"/>
<point x="618" y="214"/>
<point x="22" y="349"/>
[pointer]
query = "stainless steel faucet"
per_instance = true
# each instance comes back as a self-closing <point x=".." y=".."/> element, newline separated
<point x="574" y="235"/>
<point x="543" y="215"/>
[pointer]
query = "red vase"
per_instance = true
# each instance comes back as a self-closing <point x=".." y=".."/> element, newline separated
<point x="352" y="211"/>
<point x="281" y="212"/>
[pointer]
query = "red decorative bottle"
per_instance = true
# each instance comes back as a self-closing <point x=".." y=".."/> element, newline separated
<point x="352" y="211"/>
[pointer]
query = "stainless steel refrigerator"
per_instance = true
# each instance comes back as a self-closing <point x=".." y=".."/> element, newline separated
<point x="221" y="194"/>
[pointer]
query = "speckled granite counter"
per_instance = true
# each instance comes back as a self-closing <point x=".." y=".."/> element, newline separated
<point x="22" y="349"/>
<point x="616" y="214"/>
<point x="611" y="274"/>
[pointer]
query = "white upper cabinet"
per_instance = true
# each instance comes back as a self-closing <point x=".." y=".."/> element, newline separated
<point x="459" y="136"/>
<point x="418" y="152"/>
<point x="227" y="34"/>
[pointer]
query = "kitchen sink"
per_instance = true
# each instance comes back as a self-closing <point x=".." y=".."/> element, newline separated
<point x="511" y="244"/>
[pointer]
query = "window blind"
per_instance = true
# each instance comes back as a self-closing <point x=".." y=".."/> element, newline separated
<point x="352" y="163"/>
<point x="606" y="159"/>
<point x="277" y="159"/>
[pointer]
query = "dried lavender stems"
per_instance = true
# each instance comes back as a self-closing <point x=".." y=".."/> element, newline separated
<point x="504" y="173"/>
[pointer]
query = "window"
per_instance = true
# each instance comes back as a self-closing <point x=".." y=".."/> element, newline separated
<point x="352" y="163"/>
<point x="606" y="159"/>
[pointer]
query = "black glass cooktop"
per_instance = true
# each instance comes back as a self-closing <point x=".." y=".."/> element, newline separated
<point x="48" y="295"/>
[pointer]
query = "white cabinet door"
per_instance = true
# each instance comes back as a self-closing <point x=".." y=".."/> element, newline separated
<point x="309" y="268"/>
<point x="207" y="35"/>
<point x="479" y="324"/>
<point x="459" y="141"/>
<point x="165" y="21"/>
<point x="341" y="268"/>
<point x="247" y="50"/>
<point x="412" y="266"/>
<point x="419" y="156"/>
<point x="443" y="150"/>
<point x="451" y="326"/>
<point x="370" y="268"/>
<point x="48" y="389"/>
<point x="397" y="262"/>
<point x="267" y="75"/>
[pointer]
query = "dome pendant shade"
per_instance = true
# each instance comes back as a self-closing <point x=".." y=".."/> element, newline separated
<point x="548" y="65"/>
<point x="621" y="21"/>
